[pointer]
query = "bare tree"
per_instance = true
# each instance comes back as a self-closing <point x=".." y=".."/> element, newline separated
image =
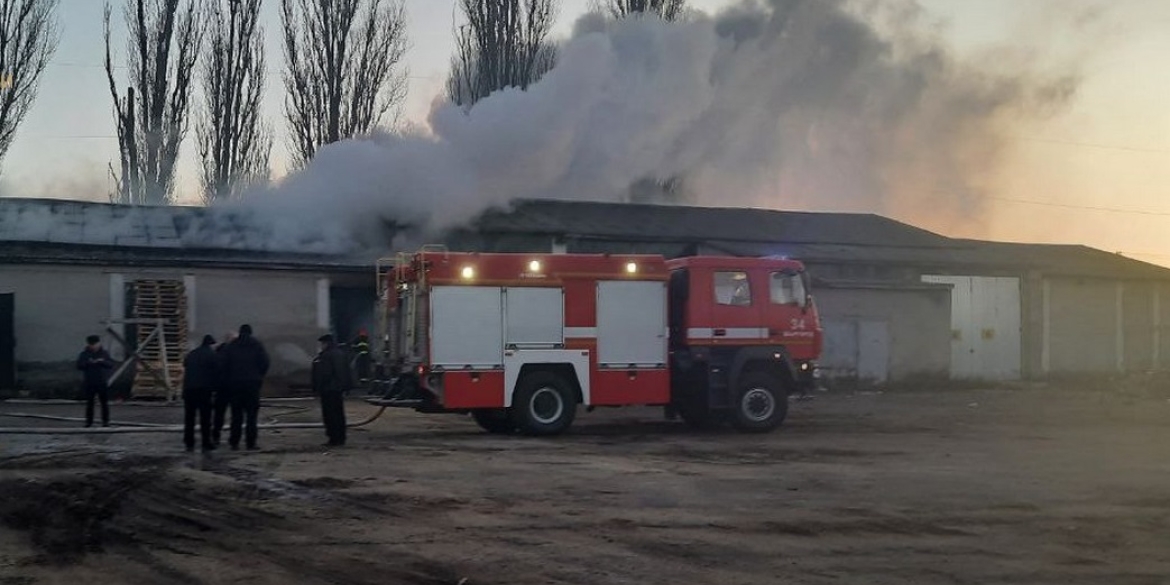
<point x="343" y="71"/>
<point x="234" y="142"/>
<point x="503" y="44"/>
<point x="28" y="38"/>
<point x="666" y="9"/>
<point x="162" y="47"/>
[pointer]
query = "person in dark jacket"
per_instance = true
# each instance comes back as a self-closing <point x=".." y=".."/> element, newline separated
<point x="222" y="398"/>
<point x="201" y="375"/>
<point x="361" y="357"/>
<point x="247" y="364"/>
<point x="331" y="378"/>
<point x="95" y="364"/>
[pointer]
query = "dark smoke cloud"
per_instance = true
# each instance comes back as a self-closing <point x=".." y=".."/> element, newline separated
<point x="814" y="104"/>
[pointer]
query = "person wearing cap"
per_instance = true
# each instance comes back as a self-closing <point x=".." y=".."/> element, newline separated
<point x="95" y="364"/>
<point x="201" y="375"/>
<point x="247" y="364"/>
<point x="331" y="378"/>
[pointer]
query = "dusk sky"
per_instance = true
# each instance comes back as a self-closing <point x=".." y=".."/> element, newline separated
<point x="1095" y="173"/>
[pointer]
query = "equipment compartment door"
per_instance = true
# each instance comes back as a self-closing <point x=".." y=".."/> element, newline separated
<point x="467" y="327"/>
<point x="535" y="316"/>
<point x="631" y="324"/>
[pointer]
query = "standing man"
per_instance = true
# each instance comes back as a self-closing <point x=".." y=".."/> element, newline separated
<point x="201" y="375"/>
<point x="223" y="391"/>
<point x="95" y="363"/>
<point x="331" y="378"/>
<point x="247" y="364"/>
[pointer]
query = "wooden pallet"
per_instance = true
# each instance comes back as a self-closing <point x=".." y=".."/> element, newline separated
<point x="165" y="300"/>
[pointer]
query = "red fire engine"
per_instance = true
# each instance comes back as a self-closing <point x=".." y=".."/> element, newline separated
<point x="520" y="340"/>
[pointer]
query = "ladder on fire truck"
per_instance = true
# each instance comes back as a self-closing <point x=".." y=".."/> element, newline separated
<point x="388" y="393"/>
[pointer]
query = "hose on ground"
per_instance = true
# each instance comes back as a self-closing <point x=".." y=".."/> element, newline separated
<point x="164" y="428"/>
<point x="268" y="402"/>
<point x="78" y="419"/>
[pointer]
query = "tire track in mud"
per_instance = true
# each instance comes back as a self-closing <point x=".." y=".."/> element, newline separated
<point x="149" y="513"/>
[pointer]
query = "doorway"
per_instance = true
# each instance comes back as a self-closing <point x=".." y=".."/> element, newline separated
<point x="7" y="341"/>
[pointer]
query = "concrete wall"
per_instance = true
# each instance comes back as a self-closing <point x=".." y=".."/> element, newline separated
<point x="280" y="307"/>
<point x="918" y="322"/>
<point x="58" y="306"/>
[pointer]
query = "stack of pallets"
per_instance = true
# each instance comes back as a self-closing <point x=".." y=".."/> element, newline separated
<point x="165" y="300"/>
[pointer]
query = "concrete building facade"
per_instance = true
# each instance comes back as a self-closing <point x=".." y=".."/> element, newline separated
<point x="898" y="303"/>
<point x="1015" y="311"/>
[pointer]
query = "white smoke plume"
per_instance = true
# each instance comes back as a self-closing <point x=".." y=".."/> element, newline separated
<point x="815" y="104"/>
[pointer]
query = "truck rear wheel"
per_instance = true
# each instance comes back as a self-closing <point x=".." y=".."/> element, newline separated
<point x="544" y="404"/>
<point x="494" y="420"/>
<point x="761" y="403"/>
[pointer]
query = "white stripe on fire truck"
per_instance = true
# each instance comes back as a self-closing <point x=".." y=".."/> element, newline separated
<point x="728" y="333"/>
<point x="580" y="332"/>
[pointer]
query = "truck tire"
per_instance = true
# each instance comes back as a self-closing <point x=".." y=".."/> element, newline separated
<point x="494" y="420"/>
<point x="761" y="403"/>
<point x="543" y="405"/>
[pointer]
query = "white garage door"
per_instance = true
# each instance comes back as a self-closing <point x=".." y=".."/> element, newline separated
<point x="985" y="326"/>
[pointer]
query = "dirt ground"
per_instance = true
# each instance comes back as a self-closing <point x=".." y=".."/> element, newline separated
<point x="973" y="486"/>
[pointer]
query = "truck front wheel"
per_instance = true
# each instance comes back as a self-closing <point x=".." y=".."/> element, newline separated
<point x="543" y="405"/>
<point x="494" y="420"/>
<point x="761" y="403"/>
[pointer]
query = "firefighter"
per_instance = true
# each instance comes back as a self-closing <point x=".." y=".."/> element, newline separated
<point x="361" y="358"/>
<point x="95" y="364"/>
<point x="247" y="364"/>
<point x="223" y="393"/>
<point x="331" y="378"/>
<point x="201" y="375"/>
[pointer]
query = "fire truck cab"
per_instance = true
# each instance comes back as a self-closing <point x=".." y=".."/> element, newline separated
<point x="519" y="341"/>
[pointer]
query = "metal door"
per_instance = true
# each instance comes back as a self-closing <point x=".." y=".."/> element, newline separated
<point x="467" y="326"/>
<point x="631" y="324"/>
<point x="839" y="357"/>
<point x="7" y="341"/>
<point x="873" y="351"/>
<point x="985" y="326"/>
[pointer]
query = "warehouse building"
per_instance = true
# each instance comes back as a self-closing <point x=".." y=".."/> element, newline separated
<point x="71" y="269"/>
<point x="897" y="303"/>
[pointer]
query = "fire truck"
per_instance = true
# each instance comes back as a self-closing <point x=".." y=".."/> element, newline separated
<point x="520" y="341"/>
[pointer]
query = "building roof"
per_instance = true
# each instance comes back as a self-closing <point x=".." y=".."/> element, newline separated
<point x="123" y="256"/>
<point x="82" y="232"/>
<point x="844" y="238"/>
<point x="56" y="231"/>
<point x="675" y="222"/>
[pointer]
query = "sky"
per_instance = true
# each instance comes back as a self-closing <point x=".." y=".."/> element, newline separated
<point x="1095" y="173"/>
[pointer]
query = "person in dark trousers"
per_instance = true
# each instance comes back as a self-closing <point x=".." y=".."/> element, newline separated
<point x="247" y="364"/>
<point x="95" y="364"/>
<point x="331" y="378"/>
<point x="201" y="375"/>
<point x="223" y="392"/>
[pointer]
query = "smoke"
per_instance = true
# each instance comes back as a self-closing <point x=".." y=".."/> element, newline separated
<point x="818" y="105"/>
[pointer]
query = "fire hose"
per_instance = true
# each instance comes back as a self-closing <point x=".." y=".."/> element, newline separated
<point x="128" y="427"/>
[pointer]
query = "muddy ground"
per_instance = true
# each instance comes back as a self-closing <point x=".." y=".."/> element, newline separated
<point x="987" y="486"/>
